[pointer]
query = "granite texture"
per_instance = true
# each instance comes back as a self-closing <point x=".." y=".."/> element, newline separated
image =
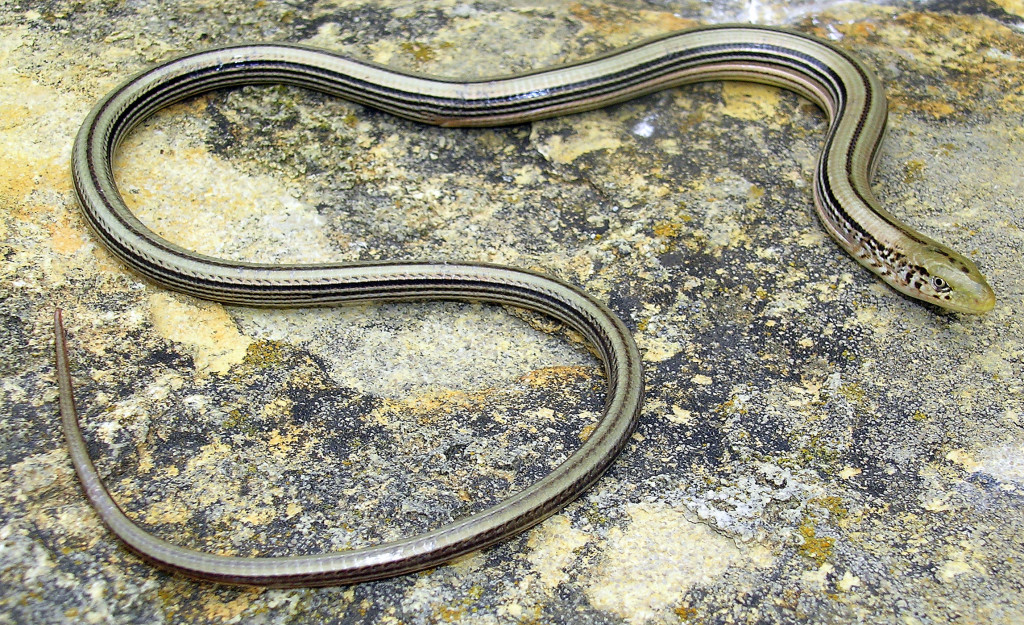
<point x="813" y="447"/>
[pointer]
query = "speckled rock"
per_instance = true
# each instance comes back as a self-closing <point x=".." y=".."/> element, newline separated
<point x="814" y="447"/>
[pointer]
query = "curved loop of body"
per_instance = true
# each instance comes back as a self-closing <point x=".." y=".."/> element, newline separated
<point x="850" y="95"/>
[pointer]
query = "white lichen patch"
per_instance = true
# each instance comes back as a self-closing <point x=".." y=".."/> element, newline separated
<point x="649" y="565"/>
<point x="818" y="579"/>
<point x="394" y="350"/>
<point x="741" y="505"/>
<point x="33" y="473"/>
<point x="1004" y="463"/>
<point x="207" y="205"/>
<point x="553" y="546"/>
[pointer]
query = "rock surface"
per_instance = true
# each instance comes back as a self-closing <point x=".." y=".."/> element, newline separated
<point x="813" y="448"/>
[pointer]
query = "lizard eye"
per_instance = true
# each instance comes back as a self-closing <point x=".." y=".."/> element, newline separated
<point x="939" y="284"/>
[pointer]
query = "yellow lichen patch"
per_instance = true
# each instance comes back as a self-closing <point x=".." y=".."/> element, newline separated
<point x="657" y="349"/>
<point x="217" y="609"/>
<point x="669" y="229"/>
<point x="205" y="329"/>
<point x="168" y="511"/>
<point x="465" y="565"/>
<point x="750" y="101"/>
<point x="257" y="515"/>
<point x="591" y="135"/>
<point x="264" y="353"/>
<point x="460" y="609"/>
<point x="650" y="565"/>
<point x="549" y="376"/>
<point x="817" y="549"/>
<point x="422" y="52"/>
<point x="935" y="106"/>
<point x="64" y="239"/>
<point x="437" y="401"/>
<point x="620" y="26"/>
<point x="587" y="431"/>
<point x="833" y="504"/>
<point x="914" y="171"/>
<point x="813" y="450"/>
<point x="1011" y="6"/>
<point x="974" y="58"/>
<point x="285" y="445"/>
<point x="204" y="466"/>
<point x="37" y="474"/>
<point x="680" y="416"/>
<point x="849" y="472"/>
<point x="33" y="118"/>
<point x="963" y="458"/>
<point x="552" y="548"/>
<point x="853" y="392"/>
<point x="527" y="175"/>
<point x="686" y="613"/>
